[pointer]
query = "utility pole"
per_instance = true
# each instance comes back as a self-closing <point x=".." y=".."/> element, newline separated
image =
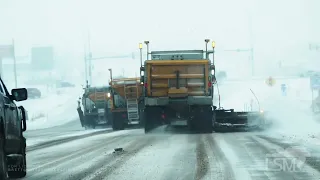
<point x="90" y="58"/>
<point x="251" y="43"/>
<point x="85" y="64"/>
<point x="14" y="64"/>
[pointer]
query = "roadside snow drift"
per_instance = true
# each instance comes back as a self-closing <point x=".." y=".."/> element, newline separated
<point x="52" y="110"/>
<point x="290" y="113"/>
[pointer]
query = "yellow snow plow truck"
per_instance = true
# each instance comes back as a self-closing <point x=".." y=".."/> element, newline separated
<point x="125" y="102"/>
<point x="179" y="89"/>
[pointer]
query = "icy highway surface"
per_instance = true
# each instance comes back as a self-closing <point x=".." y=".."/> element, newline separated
<point x="68" y="152"/>
<point x="167" y="154"/>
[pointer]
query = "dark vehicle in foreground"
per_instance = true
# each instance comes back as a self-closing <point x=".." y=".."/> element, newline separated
<point x="12" y="126"/>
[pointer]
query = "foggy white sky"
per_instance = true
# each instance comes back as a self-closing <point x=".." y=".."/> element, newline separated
<point x="281" y="29"/>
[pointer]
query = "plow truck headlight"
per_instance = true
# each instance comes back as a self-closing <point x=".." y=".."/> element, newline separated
<point x="261" y="111"/>
<point x="108" y="95"/>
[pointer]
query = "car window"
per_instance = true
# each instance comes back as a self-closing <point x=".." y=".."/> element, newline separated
<point x="1" y="88"/>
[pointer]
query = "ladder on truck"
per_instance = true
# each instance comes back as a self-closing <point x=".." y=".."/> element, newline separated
<point x="131" y="92"/>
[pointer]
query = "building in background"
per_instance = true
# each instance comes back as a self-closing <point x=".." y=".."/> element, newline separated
<point x="42" y="58"/>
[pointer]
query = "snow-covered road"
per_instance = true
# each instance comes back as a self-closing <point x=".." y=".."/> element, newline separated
<point x="172" y="154"/>
<point x="288" y="151"/>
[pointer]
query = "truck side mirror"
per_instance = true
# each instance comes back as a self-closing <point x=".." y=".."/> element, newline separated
<point x="19" y="94"/>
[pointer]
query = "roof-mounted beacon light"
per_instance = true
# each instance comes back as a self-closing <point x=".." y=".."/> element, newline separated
<point x="147" y="43"/>
<point x="213" y="46"/>
<point x="207" y="41"/>
<point x="140" y="48"/>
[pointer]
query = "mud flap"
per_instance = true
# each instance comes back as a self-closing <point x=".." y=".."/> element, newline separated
<point x="118" y="122"/>
<point x="202" y="119"/>
<point x="152" y="118"/>
<point x="141" y="118"/>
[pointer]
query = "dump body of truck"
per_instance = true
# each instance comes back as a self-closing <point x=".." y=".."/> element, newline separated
<point x="178" y="90"/>
<point x="126" y="97"/>
<point x="96" y="106"/>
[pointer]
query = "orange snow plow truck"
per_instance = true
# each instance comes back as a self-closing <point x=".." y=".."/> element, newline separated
<point x="179" y="90"/>
<point x="125" y="102"/>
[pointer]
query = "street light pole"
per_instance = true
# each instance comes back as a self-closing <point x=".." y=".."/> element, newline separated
<point x="14" y="64"/>
<point x="140" y="48"/>
<point x="85" y="64"/>
<point x="251" y="44"/>
<point x="90" y="58"/>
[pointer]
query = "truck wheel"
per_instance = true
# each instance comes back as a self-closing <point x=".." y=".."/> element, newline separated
<point x="17" y="167"/>
<point x="3" y="160"/>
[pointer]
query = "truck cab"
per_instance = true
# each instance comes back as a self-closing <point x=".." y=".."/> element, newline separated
<point x="12" y="126"/>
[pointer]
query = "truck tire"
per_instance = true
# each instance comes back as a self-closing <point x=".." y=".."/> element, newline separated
<point x="17" y="166"/>
<point x="3" y="159"/>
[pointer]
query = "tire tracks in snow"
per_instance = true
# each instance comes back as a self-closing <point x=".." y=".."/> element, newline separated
<point x="113" y="161"/>
<point x="271" y="146"/>
<point x="55" y="142"/>
<point x="202" y="159"/>
<point x="52" y="167"/>
<point x="313" y="161"/>
<point x="220" y="165"/>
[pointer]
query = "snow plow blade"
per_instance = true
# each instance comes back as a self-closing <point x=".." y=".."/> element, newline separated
<point x="229" y="120"/>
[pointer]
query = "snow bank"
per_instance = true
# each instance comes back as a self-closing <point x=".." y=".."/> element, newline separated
<point x="57" y="108"/>
<point x="291" y="113"/>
